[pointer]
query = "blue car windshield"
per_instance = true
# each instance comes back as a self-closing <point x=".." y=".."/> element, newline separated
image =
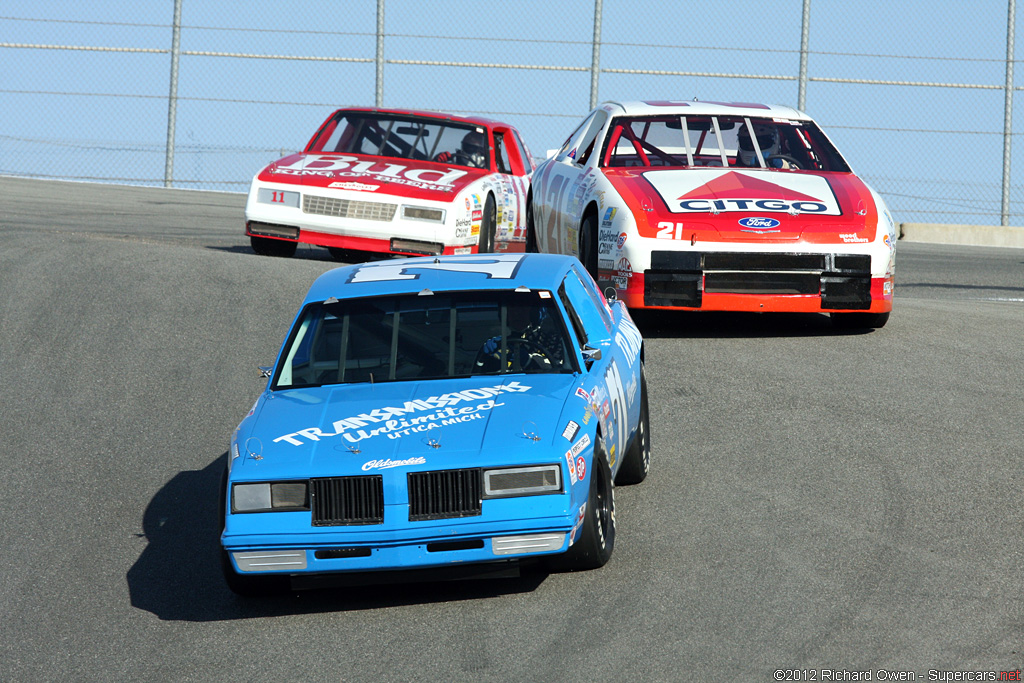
<point x="436" y="336"/>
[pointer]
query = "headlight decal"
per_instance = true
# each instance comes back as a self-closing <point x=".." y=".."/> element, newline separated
<point x="276" y="496"/>
<point x="522" y="481"/>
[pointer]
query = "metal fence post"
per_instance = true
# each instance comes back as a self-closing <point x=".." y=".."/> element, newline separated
<point x="1008" y="111"/>
<point x="805" y="32"/>
<point x="380" y="53"/>
<point x="595" y="59"/>
<point x="172" y="97"/>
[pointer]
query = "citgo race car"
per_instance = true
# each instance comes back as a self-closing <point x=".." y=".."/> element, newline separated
<point x="395" y="182"/>
<point x="716" y="207"/>
<point x="452" y="414"/>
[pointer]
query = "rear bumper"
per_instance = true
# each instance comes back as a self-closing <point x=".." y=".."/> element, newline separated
<point x="756" y="282"/>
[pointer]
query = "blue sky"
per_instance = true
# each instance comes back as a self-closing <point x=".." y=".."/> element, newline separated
<point x="935" y="154"/>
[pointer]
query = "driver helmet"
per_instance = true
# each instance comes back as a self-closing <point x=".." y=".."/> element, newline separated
<point x="474" y="149"/>
<point x="767" y="140"/>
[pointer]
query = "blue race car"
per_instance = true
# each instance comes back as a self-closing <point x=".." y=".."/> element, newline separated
<point x="446" y="415"/>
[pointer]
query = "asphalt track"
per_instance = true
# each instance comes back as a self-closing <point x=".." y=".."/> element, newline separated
<point x="818" y="500"/>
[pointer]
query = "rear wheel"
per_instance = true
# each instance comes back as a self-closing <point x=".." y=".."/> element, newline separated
<point x="588" y="244"/>
<point x="593" y="547"/>
<point x="853" y="321"/>
<point x="266" y="246"/>
<point x="487" y="227"/>
<point x="637" y="462"/>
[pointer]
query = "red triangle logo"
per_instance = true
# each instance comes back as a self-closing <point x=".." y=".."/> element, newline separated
<point x="732" y="185"/>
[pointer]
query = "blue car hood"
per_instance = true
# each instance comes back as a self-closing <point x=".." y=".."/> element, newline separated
<point x="343" y="430"/>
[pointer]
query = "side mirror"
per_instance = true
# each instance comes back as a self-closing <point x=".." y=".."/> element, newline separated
<point x="590" y="354"/>
<point x="265" y="371"/>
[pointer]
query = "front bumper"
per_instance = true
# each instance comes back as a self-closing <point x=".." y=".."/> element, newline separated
<point x="755" y="282"/>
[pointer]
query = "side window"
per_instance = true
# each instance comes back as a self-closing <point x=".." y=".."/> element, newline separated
<point x="591" y="314"/>
<point x="600" y="303"/>
<point x="524" y="152"/>
<point x="574" y="318"/>
<point x="570" y="148"/>
<point x="589" y="140"/>
<point x="501" y="154"/>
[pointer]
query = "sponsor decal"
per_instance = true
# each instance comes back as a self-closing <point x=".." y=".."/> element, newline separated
<point x="759" y="223"/>
<point x="852" y="238"/>
<point x="604" y="248"/>
<point x="388" y="464"/>
<point x="580" y="516"/>
<point x="581" y="467"/>
<point x="582" y="393"/>
<point x="571" y="464"/>
<point x="605" y="264"/>
<point x="711" y="191"/>
<point x="887" y="288"/>
<point x="624" y="268"/>
<point x="571" y="456"/>
<point x="621" y="240"/>
<point x="463" y="250"/>
<point x="888" y="241"/>
<point x="468" y="205"/>
<point x="418" y="415"/>
<point x="587" y="414"/>
<point x="571" y="430"/>
<point x="620" y="282"/>
<point x="609" y="215"/>
<point x="358" y="187"/>
<point x="343" y="166"/>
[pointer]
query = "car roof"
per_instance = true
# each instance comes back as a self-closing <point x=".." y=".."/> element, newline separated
<point x="442" y="274"/>
<point x="477" y="120"/>
<point x="698" y="108"/>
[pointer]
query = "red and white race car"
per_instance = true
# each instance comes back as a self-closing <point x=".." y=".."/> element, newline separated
<point x="716" y="206"/>
<point x="395" y="182"/>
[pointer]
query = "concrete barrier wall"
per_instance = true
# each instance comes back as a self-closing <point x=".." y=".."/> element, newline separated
<point x="974" y="235"/>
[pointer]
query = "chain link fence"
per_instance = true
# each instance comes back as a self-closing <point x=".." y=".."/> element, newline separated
<point x="201" y="95"/>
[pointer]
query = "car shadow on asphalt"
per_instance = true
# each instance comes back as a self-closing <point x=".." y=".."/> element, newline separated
<point x="662" y="324"/>
<point x="178" y="577"/>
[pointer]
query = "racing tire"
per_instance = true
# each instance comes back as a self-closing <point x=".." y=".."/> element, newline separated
<point x="487" y="227"/>
<point x="246" y="586"/>
<point x="596" y="540"/>
<point x="588" y="244"/>
<point x="266" y="246"/>
<point x="531" y="231"/>
<point x="637" y="462"/>
<point x="855" y="321"/>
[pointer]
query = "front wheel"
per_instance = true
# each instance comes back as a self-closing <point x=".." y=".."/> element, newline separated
<point x="588" y="244"/>
<point x="593" y="547"/>
<point x="266" y="246"/>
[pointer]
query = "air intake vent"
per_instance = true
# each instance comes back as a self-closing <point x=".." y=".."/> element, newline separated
<point x="344" y="208"/>
<point x="444" y="494"/>
<point x="342" y="501"/>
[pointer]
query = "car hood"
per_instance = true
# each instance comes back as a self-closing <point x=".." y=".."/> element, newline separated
<point x="356" y="429"/>
<point x="372" y="175"/>
<point x="749" y="205"/>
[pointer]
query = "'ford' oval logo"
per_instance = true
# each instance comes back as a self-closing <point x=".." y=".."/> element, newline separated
<point x="761" y="223"/>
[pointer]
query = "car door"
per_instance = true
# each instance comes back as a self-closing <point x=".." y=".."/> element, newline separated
<point x="513" y="181"/>
<point x="610" y="376"/>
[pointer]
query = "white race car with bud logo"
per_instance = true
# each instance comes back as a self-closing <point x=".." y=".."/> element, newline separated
<point x="717" y="206"/>
<point x="395" y="182"/>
